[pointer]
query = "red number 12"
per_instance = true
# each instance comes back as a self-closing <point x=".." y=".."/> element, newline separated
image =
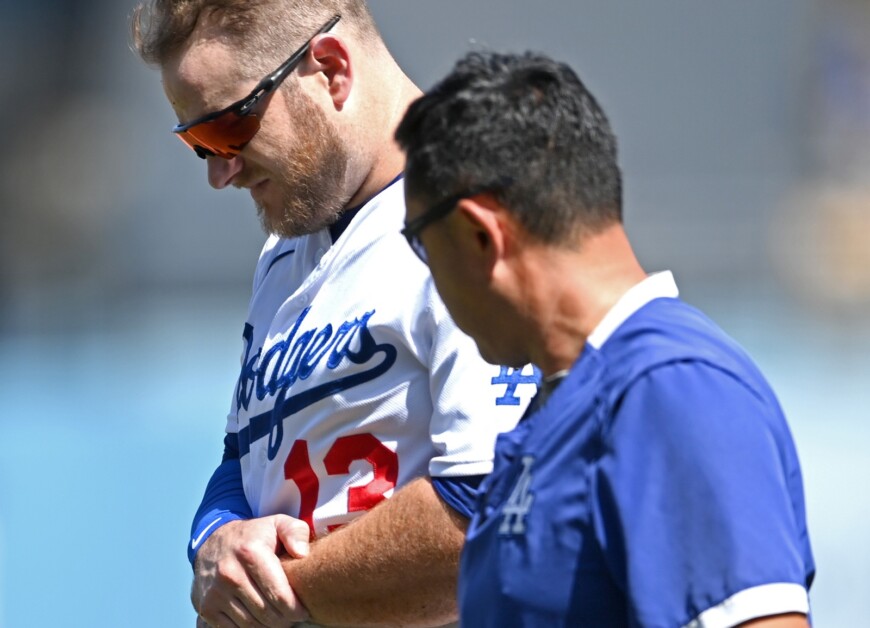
<point x="344" y="451"/>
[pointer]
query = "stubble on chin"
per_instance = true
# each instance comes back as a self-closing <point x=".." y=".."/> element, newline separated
<point x="309" y="200"/>
<point x="296" y="219"/>
<point x="265" y="221"/>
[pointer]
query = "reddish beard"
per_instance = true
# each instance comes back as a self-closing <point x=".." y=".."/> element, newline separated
<point x="310" y="178"/>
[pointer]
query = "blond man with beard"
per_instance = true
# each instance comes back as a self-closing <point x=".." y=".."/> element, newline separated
<point x="363" y="419"/>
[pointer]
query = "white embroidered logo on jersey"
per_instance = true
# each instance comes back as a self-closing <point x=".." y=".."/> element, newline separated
<point x="295" y="358"/>
<point x="520" y="501"/>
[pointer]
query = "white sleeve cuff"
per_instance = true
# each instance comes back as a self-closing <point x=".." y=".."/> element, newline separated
<point x="761" y="601"/>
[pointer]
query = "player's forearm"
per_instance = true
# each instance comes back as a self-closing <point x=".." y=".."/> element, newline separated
<point x="397" y="565"/>
<point x="789" y="620"/>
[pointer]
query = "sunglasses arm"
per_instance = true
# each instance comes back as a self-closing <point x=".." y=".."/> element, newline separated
<point x="268" y="82"/>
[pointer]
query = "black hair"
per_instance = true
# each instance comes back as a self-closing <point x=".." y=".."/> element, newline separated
<point x="524" y="126"/>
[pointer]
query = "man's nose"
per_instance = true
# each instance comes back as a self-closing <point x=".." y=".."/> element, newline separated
<point x="221" y="171"/>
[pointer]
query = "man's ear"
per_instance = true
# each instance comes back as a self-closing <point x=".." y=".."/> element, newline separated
<point x="483" y="224"/>
<point x="330" y="57"/>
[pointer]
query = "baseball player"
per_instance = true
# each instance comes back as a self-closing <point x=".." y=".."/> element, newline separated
<point x="655" y="483"/>
<point x="363" y="419"/>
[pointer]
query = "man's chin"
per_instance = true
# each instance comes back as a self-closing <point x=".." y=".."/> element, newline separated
<point x="283" y="218"/>
<point x="500" y="358"/>
<point x="281" y="226"/>
<point x="268" y="223"/>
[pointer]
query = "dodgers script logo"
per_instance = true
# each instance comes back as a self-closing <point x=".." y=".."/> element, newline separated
<point x="295" y="358"/>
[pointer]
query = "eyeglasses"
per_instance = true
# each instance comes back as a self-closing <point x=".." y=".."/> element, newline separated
<point x="225" y="133"/>
<point x="438" y="211"/>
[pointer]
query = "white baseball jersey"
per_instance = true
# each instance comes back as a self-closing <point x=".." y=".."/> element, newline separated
<point x="354" y="378"/>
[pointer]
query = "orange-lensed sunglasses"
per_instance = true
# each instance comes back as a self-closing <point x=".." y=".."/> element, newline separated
<point x="225" y="133"/>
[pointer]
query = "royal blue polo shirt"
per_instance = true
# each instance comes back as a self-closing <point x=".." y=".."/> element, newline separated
<point x="657" y="486"/>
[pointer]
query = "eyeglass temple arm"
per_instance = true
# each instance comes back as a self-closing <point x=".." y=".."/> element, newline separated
<point x="269" y="82"/>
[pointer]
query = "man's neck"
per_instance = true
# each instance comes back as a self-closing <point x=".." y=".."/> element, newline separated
<point x="388" y="160"/>
<point x="574" y="290"/>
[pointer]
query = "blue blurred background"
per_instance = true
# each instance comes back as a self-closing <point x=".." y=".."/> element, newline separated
<point x="745" y="139"/>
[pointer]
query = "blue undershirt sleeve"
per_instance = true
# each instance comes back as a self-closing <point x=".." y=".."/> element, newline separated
<point x="224" y="499"/>
<point x="460" y="493"/>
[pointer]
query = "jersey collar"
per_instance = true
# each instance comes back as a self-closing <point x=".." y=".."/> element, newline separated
<point x="340" y="225"/>
<point x="655" y="286"/>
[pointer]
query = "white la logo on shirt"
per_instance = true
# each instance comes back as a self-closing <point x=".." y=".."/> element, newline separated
<point x="520" y="501"/>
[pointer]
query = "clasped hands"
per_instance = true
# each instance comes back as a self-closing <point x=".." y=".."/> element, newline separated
<point x="238" y="577"/>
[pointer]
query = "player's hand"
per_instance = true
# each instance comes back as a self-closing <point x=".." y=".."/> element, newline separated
<point x="238" y="579"/>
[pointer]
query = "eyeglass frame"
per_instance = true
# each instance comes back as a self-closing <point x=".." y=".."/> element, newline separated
<point x="261" y="94"/>
<point x="438" y="211"/>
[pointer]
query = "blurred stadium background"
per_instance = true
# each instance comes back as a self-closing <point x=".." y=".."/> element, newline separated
<point x="745" y="139"/>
